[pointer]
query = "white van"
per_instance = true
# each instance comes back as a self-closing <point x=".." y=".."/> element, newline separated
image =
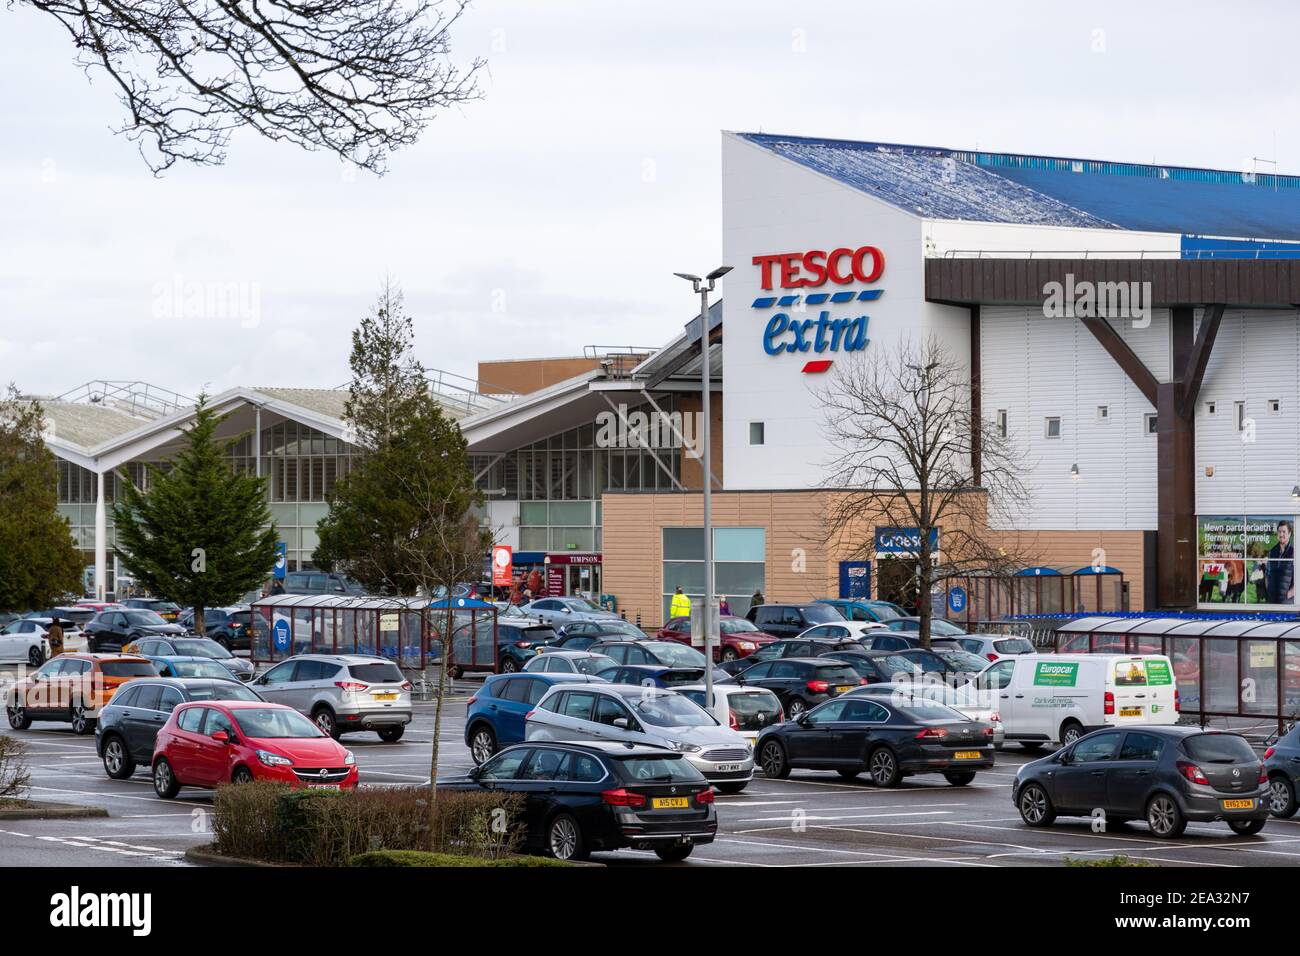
<point x="1060" y="697"/>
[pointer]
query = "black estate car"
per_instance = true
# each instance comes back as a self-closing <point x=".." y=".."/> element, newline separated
<point x="112" y="630"/>
<point x="127" y="726"/>
<point x="791" y="620"/>
<point x="601" y="796"/>
<point x="801" y="683"/>
<point x="1165" y="775"/>
<point x="888" y="738"/>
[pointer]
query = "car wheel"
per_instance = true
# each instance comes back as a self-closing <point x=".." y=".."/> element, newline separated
<point x="960" y="779"/>
<point x="224" y="643"/>
<point x="732" y="787"/>
<point x="35" y="656"/>
<point x="1164" y="818"/>
<point x="165" y="783"/>
<point x="1035" y="807"/>
<point x="18" y="718"/>
<point x="674" y="854"/>
<point x="728" y="654"/>
<point x="118" y="762"/>
<point x="482" y="745"/>
<point x="241" y="775"/>
<point x="849" y="774"/>
<point x="1031" y="744"/>
<point x="1281" y="797"/>
<point x="883" y="767"/>
<point x="509" y="665"/>
<point x="1071" y="731"/>
<point x="1246" y="827"/>
<point x="325" y="721"/>
<point x="391" y="735"/>
<point x="796" y="709"/>
<point x="773" y="760"/>
<point x="997" y="746"/>
<point x="564" y="838"/>
<point x="81" y="723"/>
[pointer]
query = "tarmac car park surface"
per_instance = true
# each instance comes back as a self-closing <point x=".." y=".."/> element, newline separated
<point x="812" y="818"/>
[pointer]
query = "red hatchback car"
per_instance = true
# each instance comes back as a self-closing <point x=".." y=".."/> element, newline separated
<point x="238" y="741"/>
<point x="738" y="638"/>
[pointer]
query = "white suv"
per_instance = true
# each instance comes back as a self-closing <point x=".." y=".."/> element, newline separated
<point x="342" y="693"/>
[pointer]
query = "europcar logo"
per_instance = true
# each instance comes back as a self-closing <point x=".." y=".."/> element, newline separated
<point x="813" y="269"/>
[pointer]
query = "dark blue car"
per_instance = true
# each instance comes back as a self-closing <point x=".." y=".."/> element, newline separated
<point x="495" y="718"/>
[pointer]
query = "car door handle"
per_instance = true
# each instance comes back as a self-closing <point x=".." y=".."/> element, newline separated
<point x="1098" y="773"/>
<point x="1020" y="696"/>
<point x="1144" y="773"/>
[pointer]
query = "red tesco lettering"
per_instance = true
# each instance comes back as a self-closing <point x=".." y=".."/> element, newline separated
<point x="800" y="270"/>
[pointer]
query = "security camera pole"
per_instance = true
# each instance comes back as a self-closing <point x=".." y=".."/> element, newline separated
<point x="704" y="287"/>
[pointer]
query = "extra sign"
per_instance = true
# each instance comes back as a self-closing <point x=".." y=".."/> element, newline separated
<point x="828" y="332"/>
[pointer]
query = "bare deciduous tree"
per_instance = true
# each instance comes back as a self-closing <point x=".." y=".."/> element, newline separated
<point x="911" y="455"/>
<point x="357" y="78"/>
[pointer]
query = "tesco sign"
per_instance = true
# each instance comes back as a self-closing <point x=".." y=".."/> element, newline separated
<point x="789" y="330"/>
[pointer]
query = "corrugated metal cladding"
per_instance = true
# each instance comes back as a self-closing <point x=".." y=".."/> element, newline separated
<point x="1256" y="361"/>
<point x="1037" y="368"/>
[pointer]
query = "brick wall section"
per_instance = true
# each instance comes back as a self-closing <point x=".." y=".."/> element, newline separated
<point x="523" y="376"/>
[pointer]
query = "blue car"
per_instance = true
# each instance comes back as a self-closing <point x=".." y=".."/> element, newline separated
<point x="656" y="675"/>
<point x="175" y="666"/>
<point x="495" y="718"/>
<point x="860" y="609"/>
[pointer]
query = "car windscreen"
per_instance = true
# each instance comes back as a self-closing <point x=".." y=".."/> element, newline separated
<point x="1013" y="645"/>
<point x="200" y="669"/>
<point x="538" y="635"/>
<point x="737" y="625"/>
<point x="677" y="655"/>
<point x="893" y="665"/>
<point x="885" y="612"/>
<point x="754" y="711"/>
<point x="380" y="672"/>
<point x="581" y="604"/>
<point x="222" y="690"/>
<point x="944" y="629"/>
<point x="671" y="710"/>
<point x="822" y="614"/>
<point x="592" y="665"/>
<point x="963" y="660"/>
<point x="144" y="618"/>
<point x="1218" y="748"/>
<point x="836" y="674"/>
<point x="678" y="678"/>
<point x="922" y="711"/>
<point x="273" y="722"/>
<point x="201" y="647"/>
<point x="658" y="770"/>
<point x="129" y="669"/>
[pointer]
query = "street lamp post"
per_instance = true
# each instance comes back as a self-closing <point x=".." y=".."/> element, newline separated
<point x="704" y="287"/>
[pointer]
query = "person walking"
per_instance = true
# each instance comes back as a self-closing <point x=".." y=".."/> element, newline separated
<point x="54" y="637"/>
<point x="681" y="604"/>
<point x="724" y="609"/>
<point x="756" y="598"/>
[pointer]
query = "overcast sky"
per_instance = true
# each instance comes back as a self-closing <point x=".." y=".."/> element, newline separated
<point x="550" y="215"/>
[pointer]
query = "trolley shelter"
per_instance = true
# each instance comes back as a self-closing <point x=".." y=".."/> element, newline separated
<point x="1092" y="589"/>
<point x="405" y="630"/>
<point x="1224" y="668"/>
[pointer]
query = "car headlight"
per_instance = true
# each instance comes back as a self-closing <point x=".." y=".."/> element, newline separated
<point x="350" y="760"/>
<point x="683" y="748"/>
<point x="745" y="645"/>
<point x="273" y="760"/>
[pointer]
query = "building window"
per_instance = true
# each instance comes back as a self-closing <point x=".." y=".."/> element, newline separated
<point x="756" y="433"/>
<point x="1150" y="421"/>
<point x="1241" y="415"/>
<point x="1052" y="427"/>
<point x="1209" y="408"/>
<point x="739" y="564"/>
<point x="1103" y="413"/>
<point x="1002" y="423"/>
<point x="1274" y="406"/>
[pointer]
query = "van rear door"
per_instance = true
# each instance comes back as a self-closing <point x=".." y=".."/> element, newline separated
<point x="1144" y="687"/>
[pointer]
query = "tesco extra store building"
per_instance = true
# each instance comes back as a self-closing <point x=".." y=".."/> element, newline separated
<point x="1164" y="449"/>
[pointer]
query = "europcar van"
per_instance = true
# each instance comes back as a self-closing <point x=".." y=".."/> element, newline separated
<point x="1060" y="697"/>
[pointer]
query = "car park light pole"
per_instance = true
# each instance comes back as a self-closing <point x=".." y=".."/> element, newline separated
<point x="704" y="287"/>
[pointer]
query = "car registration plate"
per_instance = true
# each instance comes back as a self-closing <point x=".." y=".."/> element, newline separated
<point x="1130" y="711"/>
<point x="967" y="755"/>
<point x="730" y="767"/>
<point x="843" y="688"/>
<point x="1239" y="804"/>
<point x="322" y="786"/>
<point x="385" y="697"/>
<point x="670" y="803"/>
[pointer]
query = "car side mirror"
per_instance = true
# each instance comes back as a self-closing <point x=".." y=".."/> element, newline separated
<point x="221" y="737"/>
<point x="622" y="723"/>
<point x="802" y="720"/>
<point x="1066" y="758"/>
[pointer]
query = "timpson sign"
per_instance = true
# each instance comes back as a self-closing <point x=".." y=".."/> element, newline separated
<point x="836" y="328"/>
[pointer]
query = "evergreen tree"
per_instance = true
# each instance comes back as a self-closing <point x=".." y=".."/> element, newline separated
<point x="201" y="533"/>
<point x="39" y="563"/>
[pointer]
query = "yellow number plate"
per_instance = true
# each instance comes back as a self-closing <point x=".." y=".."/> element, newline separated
<point x="1130" y="711"/>
<point x="843" y="688"/>
<point x="968" y="755"/>
<point x="1239" y="804"/>
<point x="385" y="697"/>
<point x="670" y="803"/>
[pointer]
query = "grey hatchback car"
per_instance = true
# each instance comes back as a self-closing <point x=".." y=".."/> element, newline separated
<point x="342" y="693"/>
<point x="1167" y="775"/>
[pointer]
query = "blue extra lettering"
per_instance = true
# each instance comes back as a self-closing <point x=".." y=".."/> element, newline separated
<point x="776" y="326"/>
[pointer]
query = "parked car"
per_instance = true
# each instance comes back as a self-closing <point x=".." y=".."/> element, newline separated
<point x="568" y="662"/>
<point x="651" y="675"/>
<point x="626" y="713"/>
<point x="112" y="630"/>
<point x="72" y="688"/>
<point x="1047" y="697"/>
<point x="791" y="620"/>
<point x="191" y="647"/>
<point x="888" y="738"/>
<point x="495" y="715"/>
<point x="876" y="667"/>
<point x="946" y="663"/>
<point x="23" y="641"/>
<point x="938" y="627"/>
<point x="801" y="683"/>
<point x="79" y="616"/>
<point x="860" y="631"/>
<point x="887" y="640"/>
<point x="167" y="610"/>
<point x="660" y="653"/>
<point x="234" y="741"/>
<point x="862" y="609"/>
<point x="577" y="642"/>
<point x="613" y="627"/>
<point x="793" y="647"/>
<point x="993" y="646"/>
<point x="737" y="637"/>
<point x="321" y="582"/>
<point x="232" y="627"/>
<point x="517" y="642"/>
<point x="1165" y="775"/>
<point x="746" y="710"/>
<point x="966" y="699"/>
<point x="74" y="638"/>
<point x="561" y="611"/>
<point x="342" y="693"/>
<point x="1282" y="762"/>
<point x="191" y="667"/>
<point x="128" y="725"/>
<point x="601" y="796"/>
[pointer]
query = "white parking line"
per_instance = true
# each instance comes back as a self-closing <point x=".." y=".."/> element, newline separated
<point x="847" y="816"/>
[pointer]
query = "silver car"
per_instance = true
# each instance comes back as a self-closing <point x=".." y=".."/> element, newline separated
<point x="569" y="662"/>
<point x="559" y="611"/>
<point x="632" y="713"/>
<point x="342" y="693"/>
